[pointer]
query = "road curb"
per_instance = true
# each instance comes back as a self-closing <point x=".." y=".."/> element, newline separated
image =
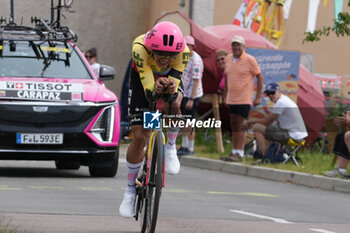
<point x="309" y="180"/>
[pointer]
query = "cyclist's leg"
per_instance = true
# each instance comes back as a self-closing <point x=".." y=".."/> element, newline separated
<point x="280" y="4"/>
<point x="280" y="20"/>
<point x="267" y="4"/>
<point x="137" y="102"/>
<point x="172" y="164"/>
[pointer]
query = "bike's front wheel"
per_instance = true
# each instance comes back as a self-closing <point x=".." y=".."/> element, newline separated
<point x="154" y="187"/>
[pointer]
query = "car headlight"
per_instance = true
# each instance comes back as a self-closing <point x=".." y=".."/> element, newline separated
<point x="103" y="127"/>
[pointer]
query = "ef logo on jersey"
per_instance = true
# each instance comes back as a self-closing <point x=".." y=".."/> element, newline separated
<point x="151" y="120"/>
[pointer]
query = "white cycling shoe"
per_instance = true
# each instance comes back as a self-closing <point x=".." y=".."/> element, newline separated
<point x="172" y="164"/>
<point x="127" y="207"/>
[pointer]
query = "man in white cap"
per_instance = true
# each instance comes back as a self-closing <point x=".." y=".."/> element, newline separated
<point x="240" y="69"/>
<point x="193" y="91"/>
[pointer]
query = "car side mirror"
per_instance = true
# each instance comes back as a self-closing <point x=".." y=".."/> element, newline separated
<point x="106" y="72"/>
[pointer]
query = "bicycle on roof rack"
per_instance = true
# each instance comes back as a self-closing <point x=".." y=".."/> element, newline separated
<point x="43" y="29"/>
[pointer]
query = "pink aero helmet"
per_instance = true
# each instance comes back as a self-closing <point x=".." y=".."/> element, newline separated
<point x="165" y="36"/>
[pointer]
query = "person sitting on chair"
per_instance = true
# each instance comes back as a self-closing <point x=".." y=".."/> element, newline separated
<point x="285" y="113"/>
<point x="341" y="149"/>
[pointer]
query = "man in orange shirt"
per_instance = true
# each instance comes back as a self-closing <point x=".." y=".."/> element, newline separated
<point x="240" y="69"/>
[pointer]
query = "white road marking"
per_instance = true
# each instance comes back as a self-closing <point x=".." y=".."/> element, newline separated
<point x="321" y="230"/>
<point x="242" y="194"/>
<point x="278" y="220"/>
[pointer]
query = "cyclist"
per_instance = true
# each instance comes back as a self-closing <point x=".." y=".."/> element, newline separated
<point x="160" y="57"/>
<point x="280" y="4"/>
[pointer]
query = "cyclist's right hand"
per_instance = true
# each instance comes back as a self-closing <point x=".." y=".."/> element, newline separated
<point x="161" y="84"/>
<point x="152" y="96"/>
<point x="172" y="87"/>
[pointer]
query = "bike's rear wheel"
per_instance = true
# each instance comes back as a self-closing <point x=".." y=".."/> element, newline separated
<point x="154" y="188"/>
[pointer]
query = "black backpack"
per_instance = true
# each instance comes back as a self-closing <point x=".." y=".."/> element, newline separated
<point x="274" y="154"/>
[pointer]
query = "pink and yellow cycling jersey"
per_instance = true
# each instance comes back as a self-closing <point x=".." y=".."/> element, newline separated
<point x="147" y="66"/>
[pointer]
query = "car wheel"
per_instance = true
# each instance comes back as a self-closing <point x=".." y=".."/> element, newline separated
<point x="69" y="165"/>
<point x="111" y="171"/>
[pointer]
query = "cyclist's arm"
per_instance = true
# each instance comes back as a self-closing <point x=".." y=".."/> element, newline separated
<point x="178" y="66"/>
<point x="140" y="56"/>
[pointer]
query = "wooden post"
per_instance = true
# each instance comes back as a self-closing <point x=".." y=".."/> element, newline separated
<point x="215" y="99"/>
<point x="216" y="109"/>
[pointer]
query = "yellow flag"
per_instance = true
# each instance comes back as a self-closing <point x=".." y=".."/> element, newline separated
<point x="325" y="2"/>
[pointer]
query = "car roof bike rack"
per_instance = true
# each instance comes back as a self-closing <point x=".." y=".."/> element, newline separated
<point x="43" y="30"/>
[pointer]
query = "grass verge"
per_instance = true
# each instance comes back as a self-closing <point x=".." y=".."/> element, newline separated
<point x="6" y="227"/>
<point x="312" y="163"/>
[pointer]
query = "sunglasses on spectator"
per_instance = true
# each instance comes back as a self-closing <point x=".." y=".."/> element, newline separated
<point x="220" y="59"/>
<point x="88" y="57"/>
<point x="268" y="93"/>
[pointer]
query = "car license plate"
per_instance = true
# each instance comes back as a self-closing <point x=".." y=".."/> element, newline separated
<point x="39" y="138"/>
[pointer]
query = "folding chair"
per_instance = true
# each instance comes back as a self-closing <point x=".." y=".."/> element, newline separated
<point x="291" y="149"/>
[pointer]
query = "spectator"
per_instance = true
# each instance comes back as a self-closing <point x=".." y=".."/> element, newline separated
<point x="240" y="70"/>
<point x="193" y="91"/>
<point x="341" y="149"/>
<point x="290" y="123"/>
<point x="220" y="62"/>
<point x="280" y="22"/>
<point x="91" y="56"/>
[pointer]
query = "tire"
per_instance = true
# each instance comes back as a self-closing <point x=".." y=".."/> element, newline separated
<point x="67" y="165"/>
<point x="111" y="171"/>
<point x="155" y="185"/>
<point x="141" y="202"/>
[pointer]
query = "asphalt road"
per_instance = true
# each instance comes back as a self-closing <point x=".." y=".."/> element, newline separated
<point x="36" y="197"/>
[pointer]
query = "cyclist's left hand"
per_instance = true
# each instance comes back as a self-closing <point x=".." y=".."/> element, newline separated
<point x="171" y="86"/>
<point x="160" y="84"/>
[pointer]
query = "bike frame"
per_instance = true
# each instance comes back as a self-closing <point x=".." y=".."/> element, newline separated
<point x="150" y="150"/>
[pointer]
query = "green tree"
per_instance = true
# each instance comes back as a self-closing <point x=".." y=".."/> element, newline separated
<point x="341" y="28"/>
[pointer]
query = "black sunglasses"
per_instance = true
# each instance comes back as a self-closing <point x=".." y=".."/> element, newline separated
<point x="88" y="57"/>
<point x="268" y="93"/>
<point x="164" y="54"/>
<point x="220" y="59"/>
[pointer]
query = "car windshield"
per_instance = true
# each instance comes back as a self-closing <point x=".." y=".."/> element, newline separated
<point x="41" y="59"/>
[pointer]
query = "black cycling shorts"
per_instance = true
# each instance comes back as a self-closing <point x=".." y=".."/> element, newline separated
<point x="240" y="109"/>
<point x="137" y="102"/>
<point x="340" y="148"/>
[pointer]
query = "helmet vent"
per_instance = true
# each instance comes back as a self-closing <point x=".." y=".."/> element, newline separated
<point x="165" y="40"/>
<point x="171" y="40"/>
